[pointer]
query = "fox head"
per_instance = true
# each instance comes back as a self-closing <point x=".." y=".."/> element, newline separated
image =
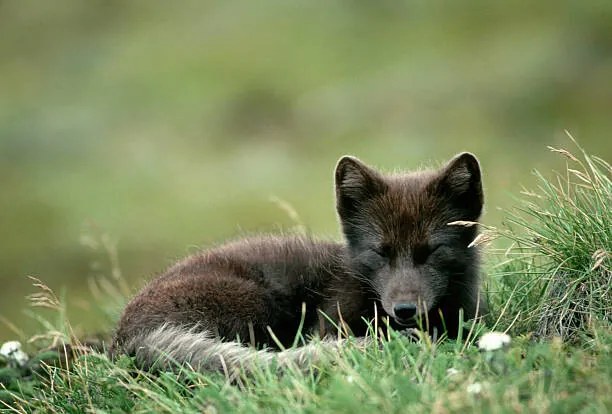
<point x="398" y="233"/>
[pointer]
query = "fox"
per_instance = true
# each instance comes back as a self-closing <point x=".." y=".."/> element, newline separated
<point x="245" y="302"/>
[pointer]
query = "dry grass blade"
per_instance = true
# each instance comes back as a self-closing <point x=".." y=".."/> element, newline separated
<point x="463" y="223"/>
<point x="600" y="256"/>
<point x="483" y="238"/>
<point x="564" y="152"/>
<point x="44" y="299"/>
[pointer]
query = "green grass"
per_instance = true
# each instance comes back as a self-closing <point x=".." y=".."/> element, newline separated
<point x="399" y="377"/>
<point x="549" y="290"/>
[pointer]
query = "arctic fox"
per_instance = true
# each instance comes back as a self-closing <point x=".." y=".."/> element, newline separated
<point x="401" y="261"/>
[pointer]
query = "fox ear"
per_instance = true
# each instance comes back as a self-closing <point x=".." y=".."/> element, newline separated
<point x="460" y="181"/>
<point x="355" y="183"/>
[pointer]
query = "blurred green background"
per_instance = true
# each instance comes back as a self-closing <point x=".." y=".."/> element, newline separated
<point x="170" y="125"/>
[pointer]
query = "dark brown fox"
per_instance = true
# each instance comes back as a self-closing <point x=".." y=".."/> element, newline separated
<point x="401" y="260"/>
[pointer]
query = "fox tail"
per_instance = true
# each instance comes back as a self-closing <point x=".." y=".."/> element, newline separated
<point x="170" y="346"/>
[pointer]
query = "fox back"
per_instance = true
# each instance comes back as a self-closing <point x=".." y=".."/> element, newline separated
<point x="402" y="260"/>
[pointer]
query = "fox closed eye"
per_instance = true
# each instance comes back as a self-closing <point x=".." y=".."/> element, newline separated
<point x="422" y="252"/>
<point x="375" y="257"/>
<point x="372" y="260"/>
<point x="385" y="251"/>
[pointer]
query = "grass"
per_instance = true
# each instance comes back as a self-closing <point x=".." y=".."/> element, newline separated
<point x="401" y="376"/>
<point x="549" y="290"/>
<point x="558" y="268"/>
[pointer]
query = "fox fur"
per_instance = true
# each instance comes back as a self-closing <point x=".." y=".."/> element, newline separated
<point x="400" y="260"/>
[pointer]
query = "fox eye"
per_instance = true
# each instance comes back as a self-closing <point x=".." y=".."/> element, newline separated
<point x="422" y="252"/>
<point x="385" y="251"/>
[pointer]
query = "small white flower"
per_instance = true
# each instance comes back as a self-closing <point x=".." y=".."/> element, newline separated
<point x="492" y="341"/>
<point x="12" y="351"/>
<point x="474" y="389"/>
<point x="349" y="378"/>
<point x="452" y="372"/>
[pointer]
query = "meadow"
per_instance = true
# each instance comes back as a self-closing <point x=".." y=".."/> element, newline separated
<point x="135" y="133"/>
<point x="549" y="290"/>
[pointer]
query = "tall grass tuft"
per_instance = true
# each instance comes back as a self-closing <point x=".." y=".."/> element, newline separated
<point x="556" y="276"/>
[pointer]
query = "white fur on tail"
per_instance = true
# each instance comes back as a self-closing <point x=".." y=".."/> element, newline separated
<point x="171" y="346"/>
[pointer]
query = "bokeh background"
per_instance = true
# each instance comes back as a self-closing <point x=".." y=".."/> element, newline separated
<point x="159" y="127"/>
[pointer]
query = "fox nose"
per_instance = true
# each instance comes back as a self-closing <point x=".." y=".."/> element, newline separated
<point x="404" y="311"/>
